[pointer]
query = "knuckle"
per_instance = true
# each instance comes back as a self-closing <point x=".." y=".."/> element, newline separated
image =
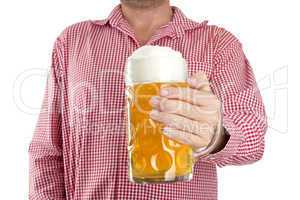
<point x="216" y="101"/>
<point x="172" y="121"/>
<point x="173" y="106"/>
<point x="204" y="77"/>
<point x="198" y="110"/>
<point x="167" y="105"/>
<point x="201" y="75"/>
<point x="214" y="120"/>
<point x="189" y="127"/>
<point x="175" y="90"/>
<point x="181" y="92"/>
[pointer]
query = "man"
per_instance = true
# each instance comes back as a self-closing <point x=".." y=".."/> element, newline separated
<point x="79" y="148"/>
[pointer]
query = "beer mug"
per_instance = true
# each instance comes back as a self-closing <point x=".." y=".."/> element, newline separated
<point x="153" y="157"/>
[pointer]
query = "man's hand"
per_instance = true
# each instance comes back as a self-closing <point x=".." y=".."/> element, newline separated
<point x="191" y="114"/>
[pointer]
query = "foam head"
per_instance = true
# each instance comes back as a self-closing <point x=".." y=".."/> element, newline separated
<point x="155" y="64"/>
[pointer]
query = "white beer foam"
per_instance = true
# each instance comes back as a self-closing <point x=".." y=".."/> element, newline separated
<point x="155" y="64"/>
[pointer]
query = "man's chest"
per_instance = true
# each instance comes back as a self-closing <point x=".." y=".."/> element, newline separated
<point x="95" y="75"/>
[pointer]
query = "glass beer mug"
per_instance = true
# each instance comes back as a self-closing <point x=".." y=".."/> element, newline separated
<point x="153" y="157"/>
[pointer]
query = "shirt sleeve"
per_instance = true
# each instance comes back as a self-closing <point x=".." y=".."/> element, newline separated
<point x="45" y="150"/>
<point x="244" y="117"/>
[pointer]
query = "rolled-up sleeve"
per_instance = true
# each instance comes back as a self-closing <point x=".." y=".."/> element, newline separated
<point x="244" y="117"/>
<point x="45" y="150"/>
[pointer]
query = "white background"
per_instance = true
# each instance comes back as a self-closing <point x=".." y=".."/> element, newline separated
<point x="270" y="34"/>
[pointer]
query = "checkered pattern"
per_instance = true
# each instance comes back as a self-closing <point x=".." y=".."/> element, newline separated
<point x="79" y="149"/>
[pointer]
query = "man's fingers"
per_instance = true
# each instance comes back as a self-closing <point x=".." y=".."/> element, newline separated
<point x="193" y="96"/>
<point x="199" y="81"/>
<point x="201" y="114"/>
<point x="155" y="102"/>
<point x="205" y="130"/>
<point x="195" y="141"/>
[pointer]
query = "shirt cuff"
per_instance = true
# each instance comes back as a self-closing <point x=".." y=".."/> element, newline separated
<point x="236" y="139"/>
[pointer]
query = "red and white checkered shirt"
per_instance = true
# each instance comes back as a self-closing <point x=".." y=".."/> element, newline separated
<point x="79" y="148"/>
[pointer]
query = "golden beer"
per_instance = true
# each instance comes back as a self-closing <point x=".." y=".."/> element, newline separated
<point x="153" y="157"/>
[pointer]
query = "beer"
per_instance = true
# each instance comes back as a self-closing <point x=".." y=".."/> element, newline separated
<point x="153" y="157"/>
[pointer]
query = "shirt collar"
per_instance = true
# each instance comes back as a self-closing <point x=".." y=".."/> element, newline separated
<point x="179" y="23"/>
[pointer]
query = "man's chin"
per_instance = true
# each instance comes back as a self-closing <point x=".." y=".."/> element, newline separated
<point x="143" y="4"/>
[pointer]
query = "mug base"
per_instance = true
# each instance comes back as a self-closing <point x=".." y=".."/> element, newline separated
<point x="154" y="180"/>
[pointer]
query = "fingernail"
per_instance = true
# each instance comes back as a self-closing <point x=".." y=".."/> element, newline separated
<point x="154" y="113"/>
<point x="155" y="100"/>
<point x="168" y="132"/>
<point x="166" y="129"/>
<point x="164" y="92"/>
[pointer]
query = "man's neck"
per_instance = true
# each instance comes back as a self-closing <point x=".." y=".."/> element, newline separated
<point x="145" y="22"/>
